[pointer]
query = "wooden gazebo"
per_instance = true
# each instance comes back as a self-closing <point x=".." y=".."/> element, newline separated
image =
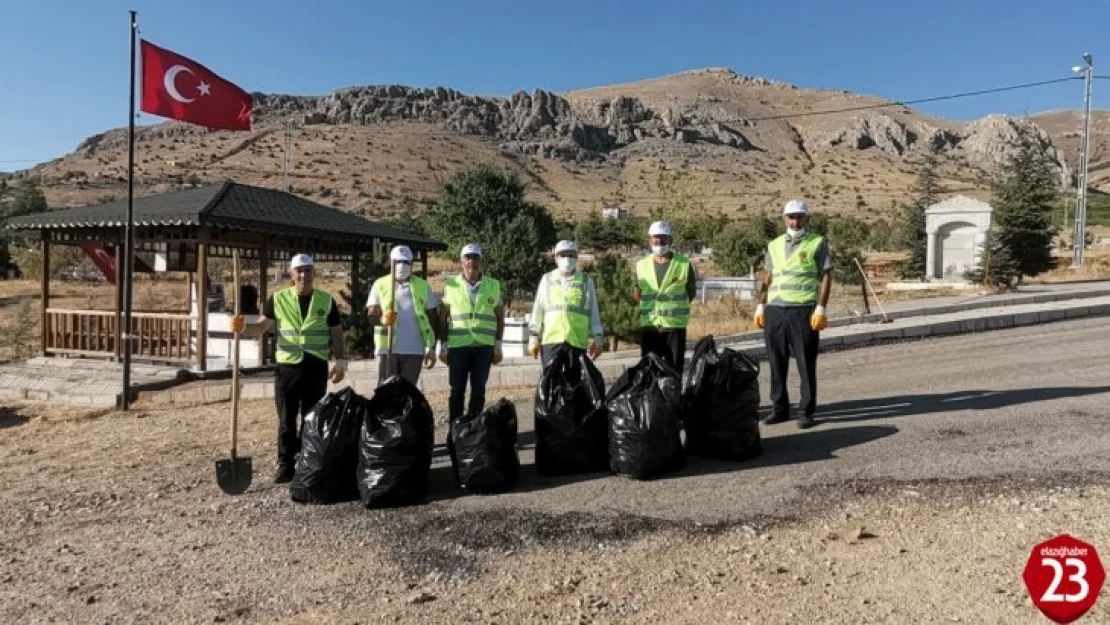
<point x="189" y="227"/>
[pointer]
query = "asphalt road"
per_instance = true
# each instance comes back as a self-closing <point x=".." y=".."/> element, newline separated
<point x="1026" y="403"/>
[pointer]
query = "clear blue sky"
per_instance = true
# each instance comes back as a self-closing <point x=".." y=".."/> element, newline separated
<point x="65" y="63"/>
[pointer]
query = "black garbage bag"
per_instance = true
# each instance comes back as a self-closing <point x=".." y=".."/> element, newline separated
<point x="483" y="449"/>
<point x="572" y="430"/>
<point x="325" y="468"/>
<point x="645" y="420"/>
<point x="720" y="398"/>
<point x="395" y="447"/>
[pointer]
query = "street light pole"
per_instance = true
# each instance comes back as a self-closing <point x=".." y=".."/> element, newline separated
<point x="1084" y="164"/>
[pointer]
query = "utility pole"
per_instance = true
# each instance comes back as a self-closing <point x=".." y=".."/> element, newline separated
<point x="288" y="150"/>
<point x="1084" y="164"/>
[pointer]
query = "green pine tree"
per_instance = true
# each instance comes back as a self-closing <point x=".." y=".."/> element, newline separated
<point x="1024" y="195"/>
<point x="926" y="192"/>
<point x="997" y="268"/>
<point x="620" y="314"/>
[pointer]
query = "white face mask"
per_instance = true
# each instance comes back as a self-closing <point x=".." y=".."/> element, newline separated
<point x="794" y="234"/>
<point x="402" y="271"/>
<point x="566" y="263"/>
<point x="660" y="250"/>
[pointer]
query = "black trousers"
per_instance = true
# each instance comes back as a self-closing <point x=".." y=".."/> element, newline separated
<point x="668" y="343"/>
<point x="468" y="364"/>
<point x="787" y="333"/>
<point x="297" y="388"/>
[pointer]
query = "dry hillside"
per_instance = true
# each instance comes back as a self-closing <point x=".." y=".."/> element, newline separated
<point x="744" y="143"/>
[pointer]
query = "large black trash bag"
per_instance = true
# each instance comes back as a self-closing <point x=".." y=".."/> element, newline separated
<point x="720" y="398"/>
<point x="395" y="447"/>
<point x="325" y="469"/>
<point x="483" y="449"/>
<point x="572" y="430"/>
<point x="645" y="420"/>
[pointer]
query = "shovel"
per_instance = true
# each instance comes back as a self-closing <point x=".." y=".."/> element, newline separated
<point x="233" y="474"/>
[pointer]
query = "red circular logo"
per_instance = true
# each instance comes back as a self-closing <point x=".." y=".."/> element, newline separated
<point x="1064" y="576"/>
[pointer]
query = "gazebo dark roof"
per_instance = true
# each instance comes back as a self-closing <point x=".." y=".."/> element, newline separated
<point x="229" y="205"/>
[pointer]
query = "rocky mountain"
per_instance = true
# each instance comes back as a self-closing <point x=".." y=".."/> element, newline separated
<point x="738" y="144"/>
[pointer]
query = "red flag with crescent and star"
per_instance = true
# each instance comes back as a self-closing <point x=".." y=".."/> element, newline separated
<point x="180" y="88"/>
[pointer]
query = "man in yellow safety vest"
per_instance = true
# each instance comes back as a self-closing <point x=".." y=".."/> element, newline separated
<point x="666" y="283"/>
<point x="791" y="311"/>
<point x="307" y="324"/>
<point x="406" y="304"/>
<point x="473" y="317"/>
<point x="565" y="314"/>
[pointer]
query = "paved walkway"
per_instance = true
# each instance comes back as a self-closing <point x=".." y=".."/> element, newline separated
<point x="96" y="383"/>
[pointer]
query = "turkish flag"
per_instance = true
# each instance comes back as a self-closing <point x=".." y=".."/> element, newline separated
<point x="180" y="88"/>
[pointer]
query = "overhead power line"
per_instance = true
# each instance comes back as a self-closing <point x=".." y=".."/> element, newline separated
<point x="867" y="107"/>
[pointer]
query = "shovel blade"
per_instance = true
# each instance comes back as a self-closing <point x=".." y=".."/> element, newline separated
<point x="234" y="475"/>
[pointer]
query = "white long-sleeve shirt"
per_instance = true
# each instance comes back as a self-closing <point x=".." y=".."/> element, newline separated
<point x="536" y="324"/>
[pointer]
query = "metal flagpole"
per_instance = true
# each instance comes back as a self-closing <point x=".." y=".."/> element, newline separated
<point x="129" y="233"/>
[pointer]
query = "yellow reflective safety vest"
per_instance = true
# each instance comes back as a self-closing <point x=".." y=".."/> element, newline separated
<point x="664" y="305"/>
<point x="795" y="279"/>
<point x="297" y="336"/>
<point x="566" y="311"/>
<point x="472" y="324"/>
<point x="384" y="288"/>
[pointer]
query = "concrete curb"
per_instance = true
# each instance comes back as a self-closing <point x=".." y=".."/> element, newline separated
<point x="525" y="372"/>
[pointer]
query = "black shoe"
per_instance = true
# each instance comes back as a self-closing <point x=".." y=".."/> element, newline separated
<point x="283" y="474"/>
<point x="776" y="418"/>
<point x="805" y="422"/>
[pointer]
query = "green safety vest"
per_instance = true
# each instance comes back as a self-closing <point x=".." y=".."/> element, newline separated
<point x="384" y="288"/>
<point x="794" y="279"/>
<point x="666" y="305"/>
<point x="472" y="325"/>
<point x="566" y="312"/>
<point x="296" y="336"/>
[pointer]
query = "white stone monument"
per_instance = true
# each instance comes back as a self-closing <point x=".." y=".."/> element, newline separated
<point x="956" y="229"/>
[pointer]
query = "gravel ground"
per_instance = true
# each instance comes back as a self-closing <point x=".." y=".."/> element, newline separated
<point x="938" y="466"/>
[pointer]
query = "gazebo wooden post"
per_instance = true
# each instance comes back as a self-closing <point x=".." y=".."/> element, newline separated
<point x="118" y="321"/>
<point x="202" y="306"/>
<point x="43" y="330"/>
<point x="263" y="289"/>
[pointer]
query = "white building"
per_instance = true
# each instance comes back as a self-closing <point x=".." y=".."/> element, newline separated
<point x="956" y="229"/>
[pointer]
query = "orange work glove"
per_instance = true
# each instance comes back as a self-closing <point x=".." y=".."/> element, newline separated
<point x="758" y="317"/>
<point x="818" y="321"/>
<point x="593" y="349"/>
<point x="389" y="317"/>
<point x="534" y="347"/>
<point x="237" y="324"/>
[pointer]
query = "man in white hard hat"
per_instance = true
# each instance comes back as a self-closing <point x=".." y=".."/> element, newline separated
<point x="565" y="315"/>
<point x="406" y="304"/>
<point x="791" y="311"/>
<point x="308" y="324"/>
<point x="666" y="283"/>
<point x="473" y="317"/>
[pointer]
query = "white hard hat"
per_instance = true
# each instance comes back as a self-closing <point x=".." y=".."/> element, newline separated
<point x="471" y="248"/>
<point x="566" y="246"/>
<point x="660" y="228"/>
<point x="401" y="253"/>
<point x="795" y="207"/>
<point x="300" y="260"/>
